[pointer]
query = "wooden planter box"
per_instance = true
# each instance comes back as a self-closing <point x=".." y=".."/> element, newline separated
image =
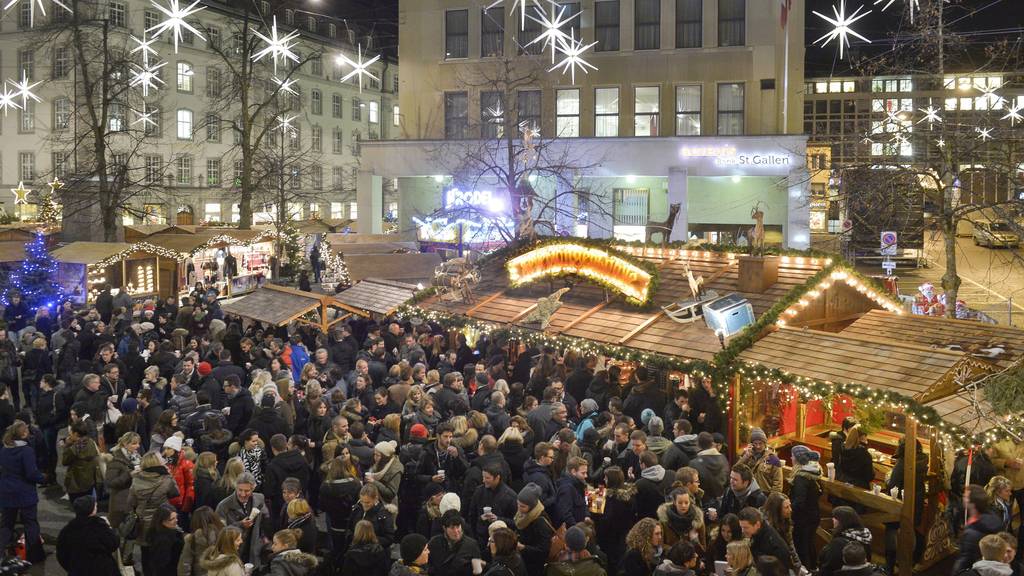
<point x="758" y="273"/>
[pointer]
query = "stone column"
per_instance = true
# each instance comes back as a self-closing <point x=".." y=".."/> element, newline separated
<point x="677" y="194"/>
<point x="798" y="209"/>
<point x="600" y="223"/>
<point x="369" y="203"/>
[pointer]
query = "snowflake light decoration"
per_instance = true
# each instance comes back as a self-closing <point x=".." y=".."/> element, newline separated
<point x="914" y="4"/>
<point x="175" y="20"/>
<point x="285" y="85"/>
<point x="147" y="76"/>
<point x="360" y="68"/>
<point x="7" y="100"/>
<point x="984" y="133"/>
<point x="32" y="8"/>
<point x="518" y="5"/>
<point x="24" y="90"/>
<point x="146" y="46"/>
<point x="940" y="143"/>
<point x="572" y="51"/>
<point x="842" y="31"/>
<point x="277" y="47"/>
<point x="1014" y="115"/>
<point x="145" y="117"/>
<point x="495" y="113"/>
<point x="931" y="115"/>
<point x="284" y="124"/>
<point x="995" y="101"/>
<point x="552" y="26"/>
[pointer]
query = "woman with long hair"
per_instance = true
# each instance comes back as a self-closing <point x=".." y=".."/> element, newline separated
<point x="618" y="517"/>
<point x="681" y="519"/>
<point x="778" y="513"/>
<point x="505" y="558"/>
<point x="365" y="555"/>
<point x="740" y="559"/>
<point x="390" y="429"/>
<point x="222" y="558"/>
<point x="124" y="459"/>
<point x="1000" y="494"/>
<point x="512" y="449"/>
<point x="427" y="415"/>
<point x="300" y="517"/>
<point x="386" y="473"/>
<point x="252" y="454"/>
<point x="728" y="531"/>
<point x="339" y="492"/>
<point x="165" y="427"/>
<point x="412" y="405"/>
<point x="206" y="527"/>
<point x="288" y="558"/>
<point x="164" y="543"/>
<point x="643" y="547"/>
<point x="205" y="478"/>
<point x="19" y="476"/>
<point x="847" y="527"/>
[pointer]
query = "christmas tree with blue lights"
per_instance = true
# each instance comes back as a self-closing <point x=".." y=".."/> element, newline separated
<point x="36" y="279"/>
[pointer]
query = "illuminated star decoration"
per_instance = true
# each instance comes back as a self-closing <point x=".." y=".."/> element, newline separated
<point x="24" y="90"/>
<point x="1014" y="114"/>
<point x="994" y="100"/>
<point x="55" y="184"/>
<point x="572" y="51"/>
<point x="285" y="85"/>
<point x="278" y="47"/>
<point x="914" y="4"/>
<point x="842" y="31"/>
<point x="552" y="33"/>
<point x="518" y="5"/>
<point x="146" y="117"/>
<point x="931" y="114"/>
<point x="32" y="8"/>
<point x="147" y="76"/>
<point x="940" y="143"/>
<point x="21" y="194"/>
<point x="359" y="67"/>
<point x="7" y="100"/>
<point x="175" y="21"/>
<point x="984" y="133"/>
<point x="496" y="113"/>
<point x="146" y="46"/>
<point x="284" y="124"/>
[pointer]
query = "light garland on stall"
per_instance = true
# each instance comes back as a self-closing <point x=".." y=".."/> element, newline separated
<point x="852" y="280"/>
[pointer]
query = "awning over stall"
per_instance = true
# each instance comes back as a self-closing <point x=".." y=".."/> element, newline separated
<point x="377" y="295"/>
<point x="278" y="305"/>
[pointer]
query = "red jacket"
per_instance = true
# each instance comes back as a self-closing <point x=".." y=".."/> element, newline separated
<point x="182" y="472"/>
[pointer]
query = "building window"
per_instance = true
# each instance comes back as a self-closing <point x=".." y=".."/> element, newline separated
<point x="154" y="168"/>
<point x="732" y="22"/>
<point x="212" y="128"/>
<point x="183" y="168"/>
<point x="456" y="115"/>
<point x="60" y="163"/>
<point x="337" y="210"/>
<point x="689" y="23"/>
<point x="211" y="212"/>
<point x="61" y="113"/>
<point x="295" y="139"/>
<point x="25" y="14"/>
<point x="116" y="120"/>
<point x="337" y="182"/>
<point x="61" y="62"/>
<point x="492" y="32"/>
<point x="151" y="128"/>
<point x="528" y="106"/>
<point x="316" y="175"/>
<point x="647" y="30"/>
<point x="527" y="35"/>
<point x="688" y="110"/>
<point x="606" y="112"/>
<point x="456" y="34"/>
<point x="317" y="136"/>
<point x="184" y="77"/>
<point x="26" y="64"/>
<point x="150" y="19"/>
<point x="571" y="15"/>
<point x="236" y="175"/>
<point x="26" y="166"/>
<point x="394" y="83"/>
<point x="730" y="109"/>
<point x="28" y="117"/>
<point x="567" y="112"/>
<point x="357" y="109"/>
<point x="337" y="141"/>
<point x="213" y="82"/>
<point x="117" y="13"/>
<point x="396" y="116"/>
<point x="289" y="17"/>
<point x="336" y="105"/>
<point x="316" y="102"/>
<point x="184" y="124"/>
<point x="311" y="24"/>
<point x="645" y="110"/>
<point x="332" y="30"/>
<point x="213" y="172"/>
<point x="606" y="26"/>
<point x="316" y="62"/>
<point x="213" y="37"/>
<point x="353" y="210"/>
<point x="374" y="112"/>
<point x="295" y="182"/>
<point x="492" y="115"/>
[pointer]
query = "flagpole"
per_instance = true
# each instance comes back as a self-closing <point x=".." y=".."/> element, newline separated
<point x="785" y="74"/>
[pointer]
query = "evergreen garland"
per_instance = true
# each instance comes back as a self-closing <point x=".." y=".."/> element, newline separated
<point x="1005" y="391"/>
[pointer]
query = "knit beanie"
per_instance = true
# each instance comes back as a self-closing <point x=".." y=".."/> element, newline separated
<point x="450" y="501"/>
<point x="758" y="435"/>
<point x="530" y="494"/>
<point x="129" y="405"/>
<point x="204" y="369"/>
<point x="575" y="539"/>
<point x="412" y="546"/>
<point x="804" y="455"/>
<point x="588" y="405"/>
<point x="646" y="416"/>
<point x="418" y="431"/>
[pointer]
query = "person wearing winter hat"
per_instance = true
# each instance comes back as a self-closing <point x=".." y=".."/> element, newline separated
<point x="415" y="555"/>
<point x="764" y="464"/>
<point x="386" y="472"/>
<point x="589" y="411"/>
<point x="418" y="431"/>
<point x="428" y="518"/>
<point x="534" y="527"/>
<point x="129" y="406"/>
<point x="450" y="501"/>
<point x="86" y="545"/>
<point x="452" y="553"/>
<point x="204" y="369"/>
<point x="575" y="560"/>
<point x="182" y="471"/>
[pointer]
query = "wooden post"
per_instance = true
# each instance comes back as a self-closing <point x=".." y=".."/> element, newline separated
<point x="905" y="554"/>
<point x="734" y="420"/>
<point x="801" y="421"/>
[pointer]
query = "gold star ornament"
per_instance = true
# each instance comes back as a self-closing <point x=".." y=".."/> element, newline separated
<point x="55" y="185"/>
<point x="21" y="194"/>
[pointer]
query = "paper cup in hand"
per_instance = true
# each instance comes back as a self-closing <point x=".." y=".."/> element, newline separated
<point x="895" y="492"/>
<point x="248" y="569"/>
<point x="831" y="470"/>
<point x="487" y="510"/>
<point x="440" y="473"/>
<point x="254" y="514"/>
<point x="876" y="488"/>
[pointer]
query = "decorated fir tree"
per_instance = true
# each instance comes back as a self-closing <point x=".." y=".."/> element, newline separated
<point x="36" y="279"/>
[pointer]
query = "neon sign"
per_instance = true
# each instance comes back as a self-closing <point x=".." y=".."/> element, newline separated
<point x="727" y="155"/>
<point x="480" y="199"/>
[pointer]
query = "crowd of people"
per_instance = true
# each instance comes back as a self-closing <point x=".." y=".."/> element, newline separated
<point x="213" y="446"/>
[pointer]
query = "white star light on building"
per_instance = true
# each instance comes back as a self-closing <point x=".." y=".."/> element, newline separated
<point x="359" y="67"/>
<point x="147" y="76"/>
<point x="517" y="5"/>
<point x="146" y="117"/>
<point x="1014" y="114"/>
<point x="984" y="133"/>
<point x="285" y="85"/>
<point x="24" y="90"/>
<point x="572" y="51"/>
<point x="32" y="8"/>
<point x="940" y="143"/>
<point x="146" y="46"/>
<point x="995" y="101"/>
<point x="552" y="26"/>
<point x="7" y="100"/>
<point x="931" y="114"/>
<point x="284" y="124"/>
<point x="914" y="5"/>
<point x="495" y="113"/>
<point x="175" y="20"/>
<point x="277" y="46"/>
<point x="842" y="31"/>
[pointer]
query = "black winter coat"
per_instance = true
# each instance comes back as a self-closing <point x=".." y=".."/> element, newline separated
<point x="612" y="526"/>
<point x="242" y="407"/>
<point x="366" y="560"/>
<point x="501" y="501"/>
<point x="337" y="497"/>
<point x="536" y="540"/>
<point x="382" y="520"/>
<point x="541" y="476"/>
<point x="164" y="551"/>
<point x="633" y="564"/>
<point x="856" y="467"/>
<point x="267" y="422"/>
<point x="970" y="552"/>
<point x="571" y="504"/>
<point x="85" y="547"/>
<point x="768" y="542"/>
<point x="830" y="559"/>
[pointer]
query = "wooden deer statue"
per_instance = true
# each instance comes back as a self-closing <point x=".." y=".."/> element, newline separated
<point x="664" y="227"/>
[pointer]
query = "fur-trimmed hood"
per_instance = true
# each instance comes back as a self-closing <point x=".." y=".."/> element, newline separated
<point x="626" y="493"/>
<point x="295" y="557"/>
<point x="219" y="562"/>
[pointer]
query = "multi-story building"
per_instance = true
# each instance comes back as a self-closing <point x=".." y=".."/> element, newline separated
<point x="189" y="152"/>
<point x="686" y="103"/>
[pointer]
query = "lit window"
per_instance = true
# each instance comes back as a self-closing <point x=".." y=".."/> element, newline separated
<point x="396" y="116"/>
<point x="849" y="86"/>
<point x="336" y="211"/>
<point x="184" y="124"/>
<point x="184" y="77"/>
<point x="568" y="113"/>
<point x="353" y="210"/>
<point x="688" y="110"/>
<point x="606" y="112"/>
<point x="183" y="166"/>
<point x="374" y="112"/>
<point x="834" y="86"/>
<point x="645" y="110"/>
<point x="211" y="212"/>
<point x="820" y="87"/>
<point x="730" y="109"/>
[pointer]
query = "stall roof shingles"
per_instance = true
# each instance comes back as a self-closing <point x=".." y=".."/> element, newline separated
<point x="415" y="267"/>
<point x="88" y="252"/>
<point x="273" y="306"/>
<point x="826" y="356"/>
<point x="940" y="333"/>
<point x="377" y="295"/>
<point x="12" y="251"/>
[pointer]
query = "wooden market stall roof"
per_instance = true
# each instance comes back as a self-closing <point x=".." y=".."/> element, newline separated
<point x="585" y="313"/>
<point x="916" y="371"/>
<point x="377" y="295"/>
<point x="279" y="305"/>
<point x="189" y="243"/>
<point x="375" y="248"/>
<point x="12" y="251"/>
<point x="968" y="335"/>
<point x="414" y="267"/>
<point x="357" y="238"/>
<point x="88" y="252"/>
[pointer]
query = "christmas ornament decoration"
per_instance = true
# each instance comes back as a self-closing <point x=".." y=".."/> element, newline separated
<point x="359" y="67"/>
<point x="284" y="124"/>
<point x="7" y="100"/>
<point x="931" y="115"/>
<point x="21" y="194"/>
<point x="36" y="279"/>
<point x="984" y="133"/>
<point x="572" y="51"/>
<point x="552" y="26"/>
<point x="1014" y="114"/>
<point x="175" y="20"/>
<point x="24" y="90"/>
<point x="32" y="8"/>
<point x="842" y="31"/>
<point x="147" y="76"/>
<point x="278" y="47"/>
<point x="940" y="143"/>
<point x="145" y="116"/>
<point x="146" y="46"/>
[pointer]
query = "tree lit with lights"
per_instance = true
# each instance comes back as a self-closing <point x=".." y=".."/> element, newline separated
<point x="36" y="279"/>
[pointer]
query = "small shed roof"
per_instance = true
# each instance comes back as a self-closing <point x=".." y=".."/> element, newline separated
<point x="357" y="238"/>
<point x="279" y="305"/>
<point x="378" y="295"/>
<point x="147" y="229"/>
<point x="183" y="243"/>
<point x="409" y="267"/>
<point x="905" y="368"/>
<point x="969" y="336"/>
<point x="88" y="252"/>
<point x="12" y="251"/>
<point x="375" y="248"/>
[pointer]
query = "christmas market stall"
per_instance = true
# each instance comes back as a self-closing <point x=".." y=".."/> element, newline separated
<point x="377" y="296"/>
<point x="279" y="306"/>
<point x="11" y="254"/>
<point x="235" y="261"/>
<point x="85" y="267"/>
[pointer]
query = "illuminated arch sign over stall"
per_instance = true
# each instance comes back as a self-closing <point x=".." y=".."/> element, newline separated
<point x="599" y="265"/>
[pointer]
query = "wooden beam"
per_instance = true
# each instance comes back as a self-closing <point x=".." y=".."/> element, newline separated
<point x="734" y="421"/>
<point x="585" y="315"/>
<point x="643" y="326"/>
<point x="485" y="301"/>
<point x="523" y="313"/>
<point x="801" y="421"/>
<point x="905" y="554"/>
<point x="827" y="320"/>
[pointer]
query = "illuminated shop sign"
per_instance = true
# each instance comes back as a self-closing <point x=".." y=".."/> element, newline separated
<point x="481" y="199"/>
<point x="729" y="156"/>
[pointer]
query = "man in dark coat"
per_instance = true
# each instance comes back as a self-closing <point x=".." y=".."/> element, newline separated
<point x="452" y="552"/>
<point x="343" y="349"/>
<point x="239" y="403"/>
<point x="288" y="462"/>
<point x="226" y="366"/>
<point x="712" y="467"/>
<point x="570" y="500"/>
<point x="743" y="492"/>
<point x="491" y="501"/>
<point x="537" y="470"/>
<point x="371" y="509"/>
<point x="442" y="455"/>
<point x="764" y="540"/>
<point x="705" y="410"/>
<point x="86" y="545"/>
<point x="268" y="422"/>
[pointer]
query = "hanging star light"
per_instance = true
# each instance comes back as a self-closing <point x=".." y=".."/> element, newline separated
<point x="995" y="101"/>
<point x="359" y="67"/>
<point x="7" y="100"/>
<point x="1014" y="114"/>
<point x="931" y="114"/>
<point x="146" y="117"/>
<point x="146" y="46"/>
<point x="175" y="21"/>
<point x="32" y="8"/>
<point x="55" y="184"/>
<point x="984" y="133"/>
<point x="21" y="194"/>
<point x="940" y="143"/>
<point x="147" y="76"/>
<point x="518" y="5"/>
<point x="285" y="85"/>
<point x="552" y="26"/>
<point x="572" y="51"/>
<point x="278" y="47"/>
<point x="24" y="90"/>
<point x="914" y="4"/>
<point x="284" y="124"/>
<point x="495" y="113"/>
<point x="842" y="31"/>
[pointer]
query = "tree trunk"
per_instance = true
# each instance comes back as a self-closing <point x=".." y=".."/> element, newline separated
<point x="950" y="280"/>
